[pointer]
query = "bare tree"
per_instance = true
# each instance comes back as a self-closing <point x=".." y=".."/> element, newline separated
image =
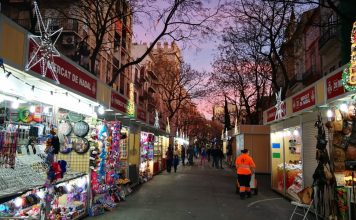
<point x="177" y="84"/>
<point x="244" y="72"/>
<point x="263" y="24"/>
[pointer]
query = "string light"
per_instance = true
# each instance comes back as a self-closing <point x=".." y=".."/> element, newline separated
<point x="101" y="110"/>
<point x="32" y="108"/>
<point x="15" y="104"/>
<point x="343" y="107"/>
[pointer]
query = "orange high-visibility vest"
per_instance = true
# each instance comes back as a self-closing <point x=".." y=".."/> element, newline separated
<point x="244" y="164"/>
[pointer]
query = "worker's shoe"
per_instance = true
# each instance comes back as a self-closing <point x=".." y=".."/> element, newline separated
<point x="242" y="195"/>
<point x="248" y="194"/>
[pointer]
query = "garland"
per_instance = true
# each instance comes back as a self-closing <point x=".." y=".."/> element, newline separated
<point x="345" y="79"/>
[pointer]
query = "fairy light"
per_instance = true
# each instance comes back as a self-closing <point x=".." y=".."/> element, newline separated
<point x="32" y="109"/>
<point x="343" y="107"/>
<point x="15" y="104"/>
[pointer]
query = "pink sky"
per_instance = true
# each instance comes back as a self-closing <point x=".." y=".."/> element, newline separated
<point x="199" y="55"/>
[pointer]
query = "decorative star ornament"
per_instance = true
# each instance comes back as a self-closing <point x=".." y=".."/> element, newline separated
<point x="279" y="105"/>
<point x="156" y="125"/>
<point x="46" y="51"/>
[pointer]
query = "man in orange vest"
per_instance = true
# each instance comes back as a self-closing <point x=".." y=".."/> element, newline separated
<point x="245" y="167"/>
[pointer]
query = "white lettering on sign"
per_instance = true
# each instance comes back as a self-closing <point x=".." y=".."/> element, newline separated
<point x="72" y="76"/>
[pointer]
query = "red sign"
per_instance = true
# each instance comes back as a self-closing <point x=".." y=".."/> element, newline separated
<point x="304" y="100"/>
<point x="271" y="114"/>
<point x="118" y="102"/>
<point x="334" y="86"/>
<point x="68" y="74"/>
<point x="141" y="115"/>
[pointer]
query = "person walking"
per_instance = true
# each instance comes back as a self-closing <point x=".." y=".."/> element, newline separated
<point x="182" y="155"/>
<point x="214" y="154"/>
<point x="208" y="153"/>
<point x="169" y="158"/>
<point x="196" y="152"/>
<point x="203" y="156"/>
<point x="176" y="154"/>
<point x="220" y="156"/>
<point x="245" y="166"/>
<point x="190" y="153"/>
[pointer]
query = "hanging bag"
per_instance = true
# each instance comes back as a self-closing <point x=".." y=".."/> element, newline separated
<point x="306" y="195"/>
<point x="338" y="122"/>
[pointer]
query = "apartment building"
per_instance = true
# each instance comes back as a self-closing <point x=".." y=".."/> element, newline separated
<point x="78" y="41"/>
<point x="317" y="44"/>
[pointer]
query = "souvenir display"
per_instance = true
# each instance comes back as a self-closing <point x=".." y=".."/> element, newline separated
<point x="65" y="128"/>
<point x="80" y="145"/>
<point x="81" y="129"/>
<point x="146" y="156"/>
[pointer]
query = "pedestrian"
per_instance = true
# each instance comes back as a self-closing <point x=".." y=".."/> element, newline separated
<point x="245" y="166"/>
<point x="190" y="153"/>
<point x="214" y="154"/>
<point x="220" y="155"/>
<point x="182" y="154"/>
<point x="169" y="158"/>
<point x="208" y="152"/>
<point x="176" y="154"/>
<point x="203" y="156"/>
<point x="196" y="152"/>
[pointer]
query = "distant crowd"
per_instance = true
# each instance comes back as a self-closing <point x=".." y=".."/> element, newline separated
<point x="202" y="153"/>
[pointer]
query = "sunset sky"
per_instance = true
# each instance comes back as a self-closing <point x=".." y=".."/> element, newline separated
<point x="199" y="54"/>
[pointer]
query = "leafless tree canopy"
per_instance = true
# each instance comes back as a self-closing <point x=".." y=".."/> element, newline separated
<point x="177" y="84"/>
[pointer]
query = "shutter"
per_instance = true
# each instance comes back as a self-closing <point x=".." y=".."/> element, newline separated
<point x="309" y="133"/>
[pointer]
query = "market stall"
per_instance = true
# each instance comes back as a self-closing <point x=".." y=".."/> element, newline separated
<point x="146" y="156"/>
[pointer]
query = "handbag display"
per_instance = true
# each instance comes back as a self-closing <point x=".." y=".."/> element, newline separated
<point x="339" y="154"/>
<point x="339" y="166"/>
<point x="338" y="122"/>
<point x="306" y="195"/>
<point x="351" y="152"/>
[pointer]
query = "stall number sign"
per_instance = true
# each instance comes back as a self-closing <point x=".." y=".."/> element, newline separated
<point x="304" y="100"/>
<point x="334" y="86"/>
<point x="68" y="74"/>
<point x="118" y="102"/>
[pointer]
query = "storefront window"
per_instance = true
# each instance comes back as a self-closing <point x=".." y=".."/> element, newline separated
<point x="286" y="148"/>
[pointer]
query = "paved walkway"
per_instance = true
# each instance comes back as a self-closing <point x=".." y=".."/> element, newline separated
<point x="199" y="193"/>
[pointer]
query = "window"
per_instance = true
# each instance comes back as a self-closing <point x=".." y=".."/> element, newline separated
<point x="122" y="84"/>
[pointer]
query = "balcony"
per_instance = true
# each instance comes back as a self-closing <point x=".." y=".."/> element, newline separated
<point x="328" y="34"/>
<point x="310" y="76"/>
<point x="68" y="25"/>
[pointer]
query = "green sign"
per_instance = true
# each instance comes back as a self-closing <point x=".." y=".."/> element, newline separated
<point x="276" y="155"/>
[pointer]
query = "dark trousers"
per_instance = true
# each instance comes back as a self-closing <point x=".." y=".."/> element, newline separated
<point x="244" y="182"/>
<point x="183" y="159"/>
<point x="215" y="162"/>
<point x="169" y="165"/>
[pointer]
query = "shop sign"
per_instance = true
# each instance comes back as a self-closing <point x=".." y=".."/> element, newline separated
<point x="68" y="74"/>
<point x="334" y="86"/>
<point x="276" y="145"/>
<point x="276" y="155"/>
<point x="304" y="100"/>
<point x="118" y="102"/>
<point x="271" y="114"/>
<point x="141" y="114"/>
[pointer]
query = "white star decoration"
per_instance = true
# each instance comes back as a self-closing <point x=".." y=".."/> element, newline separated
<point x="279" y="105"/>
<point x="156" y="125"/>
<point x="45" y="47"/>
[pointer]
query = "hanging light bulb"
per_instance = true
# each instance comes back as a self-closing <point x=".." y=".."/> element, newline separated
<point x="329" y="113"/>
<point x="32" y="109"/>
<point x="46" y="110"/>
<point x="344" y="107"/>
<point x="15" y="104"/>
<point x="296" y="132"/>
<point x="101" y="110"/>
<point x="18" y="202"/>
